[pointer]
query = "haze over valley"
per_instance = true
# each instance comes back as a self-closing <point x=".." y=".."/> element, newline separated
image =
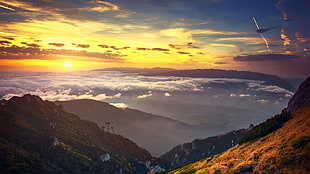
<point x="197" y="107"/>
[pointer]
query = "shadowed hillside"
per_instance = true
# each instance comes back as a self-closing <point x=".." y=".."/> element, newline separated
<point x="155" y="133"/>
<point x="202" y="148"/>
<point x="40" y="137"/>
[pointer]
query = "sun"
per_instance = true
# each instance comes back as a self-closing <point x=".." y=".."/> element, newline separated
<point x="67" y="64"/>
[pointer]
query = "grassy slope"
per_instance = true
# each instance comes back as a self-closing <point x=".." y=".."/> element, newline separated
<point x="286" y="150"/>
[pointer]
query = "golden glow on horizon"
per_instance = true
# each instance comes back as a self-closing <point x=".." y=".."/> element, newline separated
<point x="82" y="41"/>
<point x="67" y="64"/>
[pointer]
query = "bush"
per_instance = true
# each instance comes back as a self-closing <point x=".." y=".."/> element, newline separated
<point x="301" y="142"/>
<point x="266" y="127"/>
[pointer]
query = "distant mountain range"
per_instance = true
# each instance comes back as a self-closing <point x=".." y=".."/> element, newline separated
<point x="217" y="73"/>
<point x="41" y="137"/>
<point x="281" y="144"/>
<point x="156" y="133"/>
<point x="286" y="83"/>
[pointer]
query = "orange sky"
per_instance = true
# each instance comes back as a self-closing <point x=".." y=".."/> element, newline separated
<point x="67" y="35"/>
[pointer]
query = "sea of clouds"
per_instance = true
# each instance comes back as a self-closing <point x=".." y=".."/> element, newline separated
<point x="102" y="85"/>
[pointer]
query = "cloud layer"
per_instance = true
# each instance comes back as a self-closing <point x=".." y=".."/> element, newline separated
<point x="102" y="85"/>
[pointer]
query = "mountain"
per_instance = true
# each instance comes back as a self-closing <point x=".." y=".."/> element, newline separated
<point x="155" y="133"/>
<point x="202" y="148"/>
<point x="41" y="137"/>
<point x="279" y="145"/>
<point x="217" y="73"/>
<point x="137" y="70"/>
<point x="301" y="97"/>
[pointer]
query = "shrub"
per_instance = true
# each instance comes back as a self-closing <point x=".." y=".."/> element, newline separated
<point x="266" y="127"/>
<point x="301" y="142"/>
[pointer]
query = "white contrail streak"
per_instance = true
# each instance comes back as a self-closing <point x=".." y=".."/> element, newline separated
<point x="255" y="23"/>
<point x="263" y="37"/>
<point x="266" y="43"/>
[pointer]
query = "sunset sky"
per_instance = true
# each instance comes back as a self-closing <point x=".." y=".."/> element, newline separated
<point x="60" y="35"/>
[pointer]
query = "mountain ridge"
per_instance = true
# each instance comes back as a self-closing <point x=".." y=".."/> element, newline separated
<point x="218" y="73"/>
<point x="134" y="124"/>
<point x="40" y="137"/>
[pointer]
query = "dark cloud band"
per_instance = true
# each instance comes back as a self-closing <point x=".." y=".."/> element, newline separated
<point x="266" y="57"/>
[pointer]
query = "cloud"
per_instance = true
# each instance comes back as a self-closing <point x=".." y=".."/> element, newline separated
<point x="247" y="40"/>
<point x="220" y="63"/>
<point x="31" y="45"/>
<point x="215" y="32"/>
<point x="240" y="95"/>
<point x="269" y="88"/>
<point x="103" y="46"/>
<point x="265" y="57"/>
<point x="60" y="95"/>
<point x="262" y="101"/>
<point x="182" y="34"/>
<point x="227" y="45"/>
<point x="113" y="47"/>
<point x="286" y="39"/>
<point x="191" y="45"/>
<point x="82" y="45"/>
<point x="149" y="94"/>
<point x="182" y="52"/>
<point x="301" y="37"/>
<point x="174" y="46"/>
<point x="58" y="86"/>
<point x="57" y="44"/>
<point x="167" y="94"/>
<point x="143" y="49"/>
<point x="233" y="95"/>
<point x="152" y="49"/>
<point x="5" y="42"/>
<point x="101" y="6"/>
<point x="119" y="105"/>
<point x="160" y="49"/>
<point x="8" y="38"/>
<point x="183" y="46"/>
<point x="244" y="95"/>
<point x="16" y="52"/>
<point x="284" y="14"/>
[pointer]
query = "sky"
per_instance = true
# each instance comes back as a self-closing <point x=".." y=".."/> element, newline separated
<point x="69" y="35"/>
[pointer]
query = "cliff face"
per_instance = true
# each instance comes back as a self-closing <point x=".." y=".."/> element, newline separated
<point x="40" y="137"/>
<point x="301" y="97"/>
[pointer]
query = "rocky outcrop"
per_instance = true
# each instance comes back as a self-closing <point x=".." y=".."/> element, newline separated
<point x="301" y="97"/>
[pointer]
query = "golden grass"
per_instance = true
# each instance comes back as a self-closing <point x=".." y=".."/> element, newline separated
<point x="274" y="153"/>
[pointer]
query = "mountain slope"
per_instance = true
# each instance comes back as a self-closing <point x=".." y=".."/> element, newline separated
<point x="301" y="97"/>
<point x="40" y="137"/>
<point x="285" y="150"/>
<point x="141" y="127"/>
<point x="202" y="148"/>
